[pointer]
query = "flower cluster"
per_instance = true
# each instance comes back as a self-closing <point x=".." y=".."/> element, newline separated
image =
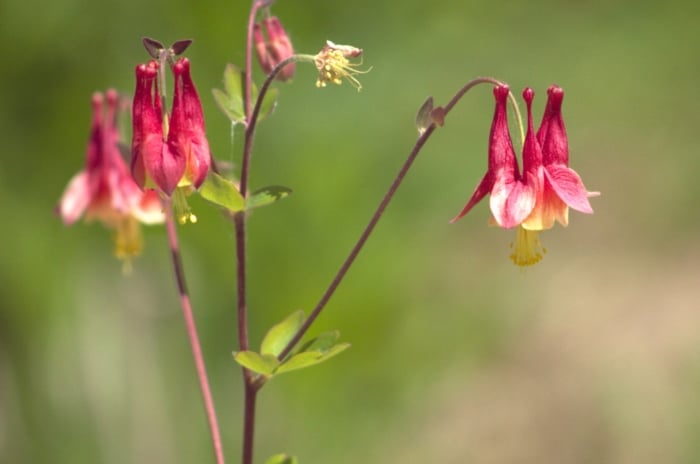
<point x="172" y="153"/>
<point x="274" y="48"/>
<point x="104" y="189"/>
<point x="547" y="187"/>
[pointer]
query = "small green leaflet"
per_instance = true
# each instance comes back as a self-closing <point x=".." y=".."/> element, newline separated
<point x="230" y="100"/>
<point x="266" y="196"/>
<point x="222" y="192"/>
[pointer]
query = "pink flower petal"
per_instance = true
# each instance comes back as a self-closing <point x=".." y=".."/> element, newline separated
<point x="75" y="199"/>
<point x="511" y="202"/>
<point x="569" y="187"/>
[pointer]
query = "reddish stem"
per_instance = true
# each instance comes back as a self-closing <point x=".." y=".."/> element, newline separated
<point x="192" y="332"/>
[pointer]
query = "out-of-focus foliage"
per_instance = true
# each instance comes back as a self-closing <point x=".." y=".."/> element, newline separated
<point x="591" y="356"/>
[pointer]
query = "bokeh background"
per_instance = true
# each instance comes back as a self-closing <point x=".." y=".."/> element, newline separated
<point x="592" y="356"/>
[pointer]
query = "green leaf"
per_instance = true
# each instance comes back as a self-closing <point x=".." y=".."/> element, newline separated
<point x="268" y="104"/>
<point x="322" y="343"/>
<point x="281" y="334"/>
<point x="266" y="196"/>
<point x="282" y="459"/>
<point x="310" y="358"/>
<point x="264" y="364"/>
<point x="230" y="100"/>
<point x="222" y="192"/>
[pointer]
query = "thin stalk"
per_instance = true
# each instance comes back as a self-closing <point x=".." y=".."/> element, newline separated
<point x="192" y="332"/>
<point x="380" y="211"/>
<point x="250" y="390"/>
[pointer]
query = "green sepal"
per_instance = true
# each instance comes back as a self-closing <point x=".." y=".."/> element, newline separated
<point x="280" y="334"/>
<point x="222" y="192"/>
<point x="266" y="196"/>
<point x="282" y="459"/>
<point x="264" y="364"/>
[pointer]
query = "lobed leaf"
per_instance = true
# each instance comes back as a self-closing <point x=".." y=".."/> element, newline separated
<point x="281" y="334"/>
<point x="322" y="342"/>
<point x="264" y="364"/>
<point x="230" y="100"/>
<point x="310" y="358"/>
<point x="222" y="192"/>
<point x="266" y="196"/>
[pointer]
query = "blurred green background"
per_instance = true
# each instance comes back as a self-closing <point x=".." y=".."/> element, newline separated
<point x="592" y="356"/>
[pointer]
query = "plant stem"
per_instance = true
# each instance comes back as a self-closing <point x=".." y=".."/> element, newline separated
<point x="251" y="392"/>
<point x="192" y="332"/>
<point x="249" y="388"/>
<point x="380" y="211"/>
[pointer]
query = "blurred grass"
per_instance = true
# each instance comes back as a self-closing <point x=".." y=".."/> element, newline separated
<point x="592" y="356"/>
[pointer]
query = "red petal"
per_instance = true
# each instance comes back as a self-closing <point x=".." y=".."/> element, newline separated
<point x="480" y="192"/>
<point x="568" y="186"/>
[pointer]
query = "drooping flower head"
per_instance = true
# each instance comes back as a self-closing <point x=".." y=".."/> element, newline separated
<point x="527" y="248"/>
<point x="512" y="195"/>
<point x="104" y="190"/>
<point x="272" y="45"/>
<point x="333" y="65"/>
<point x="169" y="152"/>
<point x="562" y="186"/>
<point x="547" y="187"/>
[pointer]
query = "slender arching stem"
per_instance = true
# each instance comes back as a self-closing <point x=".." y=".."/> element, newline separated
<point x="330" y="290"/>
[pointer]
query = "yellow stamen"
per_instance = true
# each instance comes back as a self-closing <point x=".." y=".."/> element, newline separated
<point x="333" y="65"/>
<point x="127" y="241"/>
<point x="183" y="212"/>
<point x="527" y="249"/>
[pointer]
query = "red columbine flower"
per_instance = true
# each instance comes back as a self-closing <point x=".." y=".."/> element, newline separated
<point x="547" y="188"/>
<point x="187" y="139"/>
<point x="275" y="49"/>
<point x="562" y="186"/>
<point x="512" y="195"/>
<point x="104" y="190"/>
<point x="174" y="157"/>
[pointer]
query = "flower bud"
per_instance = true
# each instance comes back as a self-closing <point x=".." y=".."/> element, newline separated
<point x="274" y="49"/>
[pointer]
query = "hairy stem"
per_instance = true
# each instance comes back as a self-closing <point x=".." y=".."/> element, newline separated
<point x="192" y="332"/>
<point x="380" y="211"/>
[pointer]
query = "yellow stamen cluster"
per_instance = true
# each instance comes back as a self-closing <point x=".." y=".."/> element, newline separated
<point x="333" y="65"/>
<point x="128" y="242"/>
<point x="527" y="249"/>
<point x="183" y="212"/>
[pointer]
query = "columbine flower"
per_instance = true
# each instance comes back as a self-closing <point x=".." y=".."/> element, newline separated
<point x="105" y="191"/>
<point x="174" y="154"/>
<point x="562" y="187"/>
<point x="533" y="201"/>
<point x="275" y="49"/>
<point x="512" y="195"/>
<point x="333" y="65"/>
<point x="187" y="138"/>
